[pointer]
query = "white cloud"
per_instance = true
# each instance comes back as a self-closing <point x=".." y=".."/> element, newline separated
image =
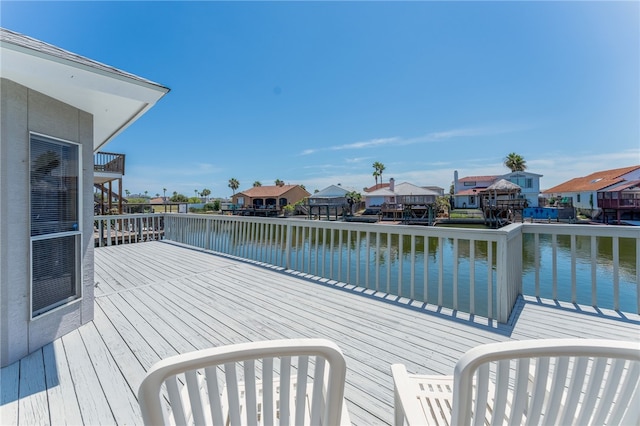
<point x="429" y="137"/>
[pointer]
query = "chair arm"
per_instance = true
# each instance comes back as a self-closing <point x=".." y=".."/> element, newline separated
<point x="405" y="397"/>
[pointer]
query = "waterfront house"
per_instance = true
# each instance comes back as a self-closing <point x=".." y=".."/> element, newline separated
<point x="621" y="203"/>
<point x="269" y="196"/>
<point x="58" y="109"/>
<point x="585" y="192"/>
<point x="330" y="200"/>
<point x="467" y="189"/>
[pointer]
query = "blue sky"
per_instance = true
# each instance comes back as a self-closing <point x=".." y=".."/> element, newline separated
<point x="314" y="93"/>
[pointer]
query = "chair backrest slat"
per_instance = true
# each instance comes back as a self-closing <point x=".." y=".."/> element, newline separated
<point x="541" y="377"/>
<point x="500" y="397"/>
<point x="233" y="393"/>
<point x="213" y="390"/>
<point x="175" y="398"/>
<point x="193" y="388"/>
<point x="520" y="396"/>
<point x="301" y="389"/>
<point x="482" y="391"/>
<point x="285" y="385"/>
<point x="251" y="399"/>
<point x="268" y="415"/>
<point x="557" y="387"/>
<point x="317" y="396"/>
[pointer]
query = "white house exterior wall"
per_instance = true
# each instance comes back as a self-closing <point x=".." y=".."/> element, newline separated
<point x="531" y="194"/>
<point x="23" y="110"/>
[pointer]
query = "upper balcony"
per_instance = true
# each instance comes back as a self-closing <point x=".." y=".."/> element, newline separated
<point x="107" y="166"/>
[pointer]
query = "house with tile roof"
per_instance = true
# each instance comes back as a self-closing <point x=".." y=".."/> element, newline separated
<point x="269" y="197"/>
<point x="467" y="190"/>
<point x="586" y="192"/>
<point x="58" y="109"/>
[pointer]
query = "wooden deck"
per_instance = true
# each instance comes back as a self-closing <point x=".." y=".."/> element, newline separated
<point x="157" y="299"/>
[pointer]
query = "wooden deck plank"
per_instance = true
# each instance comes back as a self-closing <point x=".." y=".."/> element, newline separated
<point x="33" y="408"/>
<point x="63" y="401"/>
<point x="159" y="299"/>
<point x="122" y="353"/>
<point x="122" y="398"/>
<point x="9" y="397"/>
<point x="94" y="405"/>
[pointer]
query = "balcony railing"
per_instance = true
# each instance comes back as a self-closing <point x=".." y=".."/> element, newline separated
<point x="476" y="271"/>
<point x="108" y="162"/>
<point x="633" y="203"/>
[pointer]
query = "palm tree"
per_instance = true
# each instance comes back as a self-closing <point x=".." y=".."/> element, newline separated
<point x="234" y="184"/>
<point x="279" y="182"/>
<point x="257" y="184"/>
<point x="353" y="197"/>
<point x="126" y="191"/>
<point x="205" y="193"/>
<point x="515" y="162"/>
<point x="164" y="194"/>
<point x="378" y="168"/>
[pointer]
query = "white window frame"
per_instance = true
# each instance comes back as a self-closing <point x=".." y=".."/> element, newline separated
<point x="79" y="269"/>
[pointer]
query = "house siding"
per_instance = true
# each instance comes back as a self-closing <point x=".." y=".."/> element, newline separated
<point x="22" y="111"/>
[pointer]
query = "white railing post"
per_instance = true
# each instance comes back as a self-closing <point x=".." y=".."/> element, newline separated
<point x="509" y="270"/>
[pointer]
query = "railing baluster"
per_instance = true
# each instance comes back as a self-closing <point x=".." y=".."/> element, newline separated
<point x="358" y="259"/>
<point x="638" y="271"/>
<point x="440" y="270"/>
<point x="490" y="312"/>
<point x="317" y="252"/>
<point x="413" y="267"/>
<point x="455" y="272"/>
<point x="472" y="276"/>
<point x="574" y="296"/>
<point x="367" y="259"/>
<point x="348" y="280"/>
<point x="400" y="250"/>
<point x="377" y="262"/>
<point x="425" y="278"/>
<point x="536" y="251"/>
<point x="616" y="275"/>
<point x="554" y="265"/>
<point x="388" y="262"/>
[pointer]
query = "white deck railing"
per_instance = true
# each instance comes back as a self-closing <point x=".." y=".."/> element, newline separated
<point x="477" y="271"/>
<point x="368" y="256"/>
<point x="127" y="228"/>
<point x="600" y="252"/>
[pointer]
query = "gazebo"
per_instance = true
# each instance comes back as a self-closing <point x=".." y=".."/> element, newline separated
<point x="501" y="202"/>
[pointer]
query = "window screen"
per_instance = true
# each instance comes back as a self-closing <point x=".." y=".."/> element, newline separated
<point x="55" y="232"/>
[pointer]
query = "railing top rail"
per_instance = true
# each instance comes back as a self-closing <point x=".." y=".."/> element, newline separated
<point x="109" y="154"/>
<point x="582" y="230"/>
<point x="127" y="216"/>
<point x="431" y="231"/>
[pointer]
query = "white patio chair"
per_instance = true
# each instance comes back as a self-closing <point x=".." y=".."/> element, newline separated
<point x="558" y="381"/>
<point x="298" y="381"/>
